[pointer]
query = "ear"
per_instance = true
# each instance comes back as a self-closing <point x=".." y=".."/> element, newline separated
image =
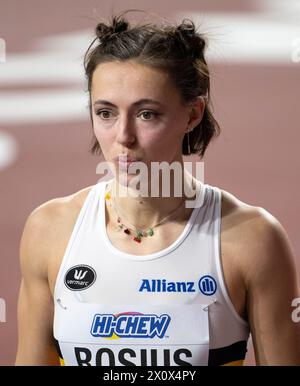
<point x="196" y="112"/>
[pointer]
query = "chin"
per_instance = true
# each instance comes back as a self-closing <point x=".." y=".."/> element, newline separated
<point x="133" y="182"/>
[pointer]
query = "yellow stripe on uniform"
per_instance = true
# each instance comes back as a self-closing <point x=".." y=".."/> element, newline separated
<point x="235" y="363"/>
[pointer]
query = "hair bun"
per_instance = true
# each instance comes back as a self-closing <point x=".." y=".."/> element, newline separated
<point x="120" y="25"/>
<point x="193" y="41"/>
<point x="186" y="28"/>
<point x="104" y="31"/>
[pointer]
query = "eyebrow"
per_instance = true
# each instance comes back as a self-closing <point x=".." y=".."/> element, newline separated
<point x="136" y="104"/>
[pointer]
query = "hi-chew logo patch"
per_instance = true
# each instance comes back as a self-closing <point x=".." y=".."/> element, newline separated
<point x="80" y="277"/>
<point x="130" y="325"/>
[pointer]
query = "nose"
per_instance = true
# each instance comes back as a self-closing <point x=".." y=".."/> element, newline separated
<point x="126" y="135"/>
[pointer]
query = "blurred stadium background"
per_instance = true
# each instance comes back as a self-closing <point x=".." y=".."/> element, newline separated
<point x="45" y="133"/>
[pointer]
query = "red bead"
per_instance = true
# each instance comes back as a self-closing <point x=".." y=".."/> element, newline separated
<point x="137" y="240"/>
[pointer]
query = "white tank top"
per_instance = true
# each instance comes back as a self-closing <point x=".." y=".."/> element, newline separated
<point x="168" y="308"/>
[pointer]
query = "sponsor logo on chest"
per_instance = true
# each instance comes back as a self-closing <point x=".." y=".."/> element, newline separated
<point x="80" y="277"/>
<point x="207" y="285"/>
<point x="130" y="325"/>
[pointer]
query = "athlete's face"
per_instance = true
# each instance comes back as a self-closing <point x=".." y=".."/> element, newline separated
<point x="137" y="110"/>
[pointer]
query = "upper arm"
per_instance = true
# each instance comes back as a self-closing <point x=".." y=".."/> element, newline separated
<point x="271" y="284"/>
<point x="35" y="306"/>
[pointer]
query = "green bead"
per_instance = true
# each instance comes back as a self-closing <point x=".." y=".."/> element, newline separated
<point x="139" y="234"/>
<point x="150" y="232"/>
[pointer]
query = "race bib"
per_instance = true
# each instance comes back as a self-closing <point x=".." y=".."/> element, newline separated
<point x="126" y="335"/>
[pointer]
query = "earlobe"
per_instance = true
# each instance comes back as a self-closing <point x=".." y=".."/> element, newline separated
<point x="201" y="102"/>
<point x="197" y="111"/>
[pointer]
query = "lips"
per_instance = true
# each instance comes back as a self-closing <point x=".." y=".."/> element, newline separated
<point x="124" y="161"/>
<point x="124" y="158"/>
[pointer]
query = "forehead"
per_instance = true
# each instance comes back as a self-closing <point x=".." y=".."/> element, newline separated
<point x="130" y="77"/>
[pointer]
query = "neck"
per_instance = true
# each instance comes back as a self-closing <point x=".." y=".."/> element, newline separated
<point x="144" y="210"/>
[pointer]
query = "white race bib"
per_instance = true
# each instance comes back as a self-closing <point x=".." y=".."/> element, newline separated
<point x="141" y="335"/>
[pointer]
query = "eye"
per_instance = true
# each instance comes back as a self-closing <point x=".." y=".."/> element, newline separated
<point x="148" y="115"/>
<point x="104" y="114"/>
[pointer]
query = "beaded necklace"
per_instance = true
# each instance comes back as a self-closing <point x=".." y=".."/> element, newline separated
<point x="132" y="230"/>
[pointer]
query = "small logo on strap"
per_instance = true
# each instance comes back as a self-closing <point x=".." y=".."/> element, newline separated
<point x="80" y="277"/>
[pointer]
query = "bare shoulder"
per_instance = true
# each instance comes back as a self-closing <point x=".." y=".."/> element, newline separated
<point x="258" y="239"/>
<point x="261" y="274"/>
<point x="238" y="216"/>
<point x="47" y="228"/>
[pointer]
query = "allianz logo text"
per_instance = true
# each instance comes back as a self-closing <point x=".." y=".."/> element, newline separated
<point x="158" y="285"/>
<point x="207" y="285"/>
